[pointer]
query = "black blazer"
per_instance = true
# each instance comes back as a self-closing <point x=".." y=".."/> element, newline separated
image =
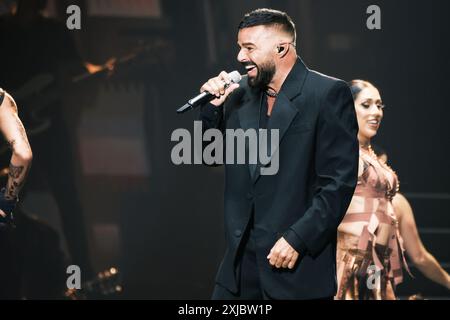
<point x="308" y="197"/>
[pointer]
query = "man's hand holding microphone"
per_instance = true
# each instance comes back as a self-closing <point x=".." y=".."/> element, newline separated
<point x="215" y="90"/>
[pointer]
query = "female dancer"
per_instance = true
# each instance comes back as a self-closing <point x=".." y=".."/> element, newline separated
<point x="369" y="249"/>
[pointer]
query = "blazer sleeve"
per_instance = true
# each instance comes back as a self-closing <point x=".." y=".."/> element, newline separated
<point x="211" y="116"/>
<point x="336" y="163"/>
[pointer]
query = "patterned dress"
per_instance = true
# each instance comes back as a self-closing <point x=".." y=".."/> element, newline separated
<point x="366" y="268"/>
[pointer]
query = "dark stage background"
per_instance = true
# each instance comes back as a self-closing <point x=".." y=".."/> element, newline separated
<point x="161" y="224"/>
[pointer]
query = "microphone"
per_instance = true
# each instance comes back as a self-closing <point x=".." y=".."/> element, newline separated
<point x="205" y="96"/>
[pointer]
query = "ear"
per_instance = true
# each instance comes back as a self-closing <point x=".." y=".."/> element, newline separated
<point x="282" y="50"/>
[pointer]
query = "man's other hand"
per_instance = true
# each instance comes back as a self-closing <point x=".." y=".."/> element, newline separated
<point x="282" y="255"/>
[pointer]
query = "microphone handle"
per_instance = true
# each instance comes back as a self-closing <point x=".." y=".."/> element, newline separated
<point x="201" y="99"/>
<point x="185" y="108"/>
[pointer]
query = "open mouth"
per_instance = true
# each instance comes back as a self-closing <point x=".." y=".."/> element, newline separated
<point x="374" y="124"/>
<point x="251" y="69"/>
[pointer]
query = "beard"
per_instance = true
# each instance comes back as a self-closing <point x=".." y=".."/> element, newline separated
<point x="264" y="76"/>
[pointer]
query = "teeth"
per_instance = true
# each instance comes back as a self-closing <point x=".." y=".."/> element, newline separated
<point x="249" y="67"/>
<point x="373" y="121"/>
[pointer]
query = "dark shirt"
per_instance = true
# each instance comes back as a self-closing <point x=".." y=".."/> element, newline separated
<point x="263" y="117"/>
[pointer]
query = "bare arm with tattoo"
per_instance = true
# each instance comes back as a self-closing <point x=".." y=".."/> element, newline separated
<point x="14" y="133"/>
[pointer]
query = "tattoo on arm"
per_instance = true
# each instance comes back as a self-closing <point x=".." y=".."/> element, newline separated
<point x="15" y="171"/>
<point x="17" y="175"/>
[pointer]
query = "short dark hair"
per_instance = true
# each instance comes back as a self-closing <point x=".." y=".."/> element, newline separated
<point x="269" y="17"/>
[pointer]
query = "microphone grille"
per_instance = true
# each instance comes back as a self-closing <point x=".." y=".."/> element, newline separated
<point x="235" y="76"/>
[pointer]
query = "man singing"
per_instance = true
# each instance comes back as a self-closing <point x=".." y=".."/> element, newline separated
<point x="281" y="229"/>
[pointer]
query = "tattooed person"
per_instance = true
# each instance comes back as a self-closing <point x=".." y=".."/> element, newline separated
<point x="14" y="133"/>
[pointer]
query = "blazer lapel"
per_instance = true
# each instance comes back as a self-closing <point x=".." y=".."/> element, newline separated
<point x="249" y="118"/>
<point x="284" y="111"/>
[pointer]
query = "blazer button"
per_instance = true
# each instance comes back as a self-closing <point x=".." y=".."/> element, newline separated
<point x="249" y="196"/>
<point x="237" y="233"/>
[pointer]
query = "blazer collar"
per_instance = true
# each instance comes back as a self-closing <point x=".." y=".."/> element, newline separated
<point x="283" y="112"/>
<point x="291" y="88"/>
<point x="293" y="85"/>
